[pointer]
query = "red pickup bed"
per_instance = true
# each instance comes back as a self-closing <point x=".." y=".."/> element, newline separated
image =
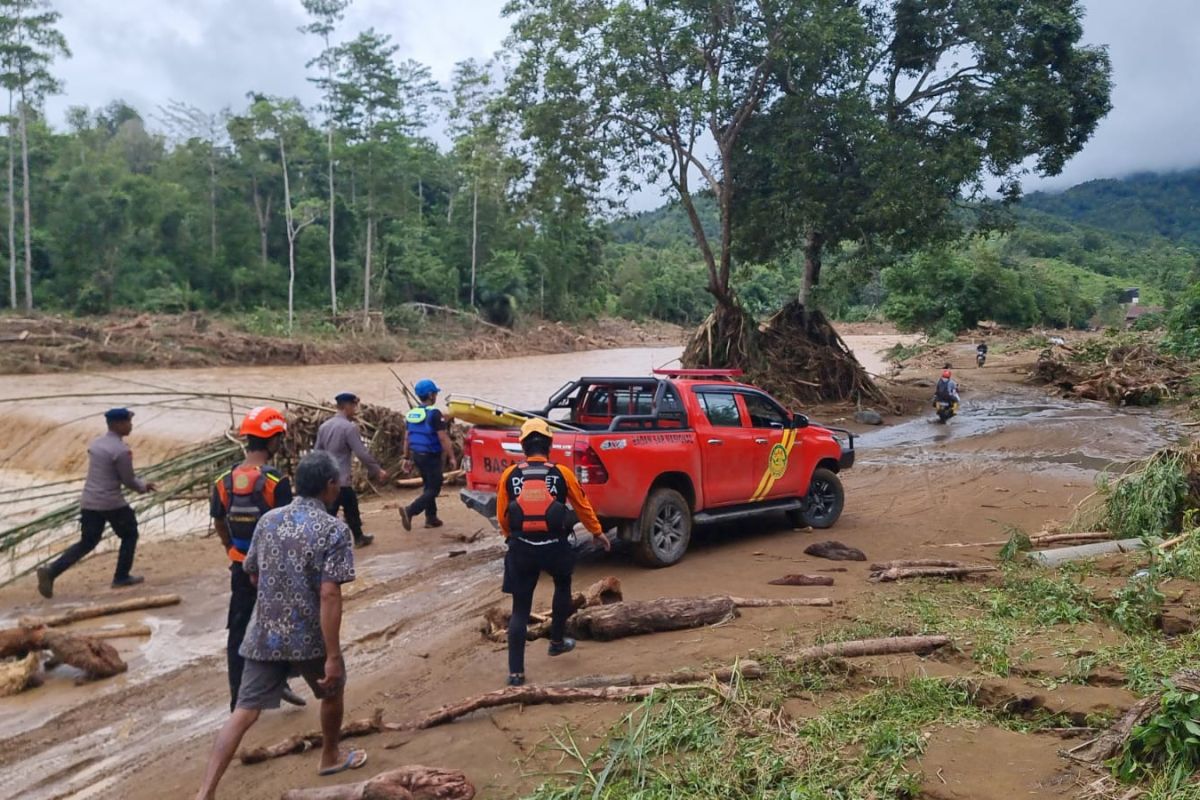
<point x="658" y="455"/>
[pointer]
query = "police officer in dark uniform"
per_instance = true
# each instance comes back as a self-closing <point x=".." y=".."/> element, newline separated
<point x="427" y="445"/>
<point x="239" y="498"/>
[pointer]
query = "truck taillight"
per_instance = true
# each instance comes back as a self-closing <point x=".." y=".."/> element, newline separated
<point x="466" y="464"/>
<point x="588" y="466"/>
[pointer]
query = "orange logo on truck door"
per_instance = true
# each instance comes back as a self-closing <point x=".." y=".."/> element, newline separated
<point x="777" y="465"/>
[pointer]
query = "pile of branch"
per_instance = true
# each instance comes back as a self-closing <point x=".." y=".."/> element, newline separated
<point x="605" y="688"/>
<point x="605" y="591"/>
<point x="406" y="783"/>
<point x="924" y="568"/>
<point x="1130" y="375"/>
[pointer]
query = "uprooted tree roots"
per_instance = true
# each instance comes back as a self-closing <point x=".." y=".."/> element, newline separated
<point x="796" y="355"/>
<point x="1130" y="375"/>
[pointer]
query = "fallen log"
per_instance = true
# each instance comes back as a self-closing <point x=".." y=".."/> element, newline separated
<point x="899" y="574"/>
<point x="303" y="742"/>
<point x="125" y="632"/>
<point x="787" y="602"/>
<point x="863" y="648"/>
<point x="19" y="674"/>
<point x="803" y="580"/>
<point x="616" y="621"/>
<point x="94" y="658"/>
<point x="1037" y="541"/>
<point x="104" y="610"/>
<point x="605" y="591"/>
<point x="406" y="783"/>
<point x="1110" y="743"/>
<point x="915" y="562"/>
<point x="750" y="670"/>
<point x="414" y="483"/>
<point x="538" y="696"/>
<point x="835" y="551"/>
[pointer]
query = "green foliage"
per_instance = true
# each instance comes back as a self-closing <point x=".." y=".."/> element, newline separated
<point x="1167" y="743"/>
<point x="1183" y="326"/>
<point x="1149" y="501"/>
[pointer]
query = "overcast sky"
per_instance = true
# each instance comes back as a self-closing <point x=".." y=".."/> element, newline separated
<point x="210" y="53"/>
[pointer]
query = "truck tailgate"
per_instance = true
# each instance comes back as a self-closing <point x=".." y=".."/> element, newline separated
<point x="493" y="450"/>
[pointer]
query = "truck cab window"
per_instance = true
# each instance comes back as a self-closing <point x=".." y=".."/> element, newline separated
<point x="721" y="408"/>
<point x="764" y="413"/>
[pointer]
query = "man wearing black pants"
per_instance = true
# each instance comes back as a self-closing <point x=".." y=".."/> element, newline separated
<point x="340" y="437"/>
<point x="427" y="445"/>
<point x="531" y="508"/>
<point x="110" y="467"/>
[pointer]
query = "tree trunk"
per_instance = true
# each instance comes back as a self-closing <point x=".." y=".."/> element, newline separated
<point x="12" y="208"/>
<point x="95" y="658"/>
<point x="650" y="616"/>
<point x="212" y="208"/>
<point x="812" y="265"/>
<point x="333" y="304"/>
<point x="102" y="610"/>
<point x="474" y="237"/>
<point x="263" y="215"/>
<point x="291" y="234"/>
<point x="863" y="648"/>
<point x="367" y="269"/>
<point x="28" y="213"/>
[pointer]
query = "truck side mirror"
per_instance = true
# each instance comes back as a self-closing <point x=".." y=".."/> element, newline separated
<point x="799" y="420"/>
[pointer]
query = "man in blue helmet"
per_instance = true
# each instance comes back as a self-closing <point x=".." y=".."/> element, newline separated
<point x="428" y="446"/>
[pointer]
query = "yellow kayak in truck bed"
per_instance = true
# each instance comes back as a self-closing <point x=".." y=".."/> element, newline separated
<point x="475" y="411"/>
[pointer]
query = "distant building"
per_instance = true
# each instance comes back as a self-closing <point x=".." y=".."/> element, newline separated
<point x="1130" y="297"/>
<point x="1135" y="312"/>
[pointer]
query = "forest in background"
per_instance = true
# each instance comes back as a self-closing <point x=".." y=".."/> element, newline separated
<point x="396" y="190"/>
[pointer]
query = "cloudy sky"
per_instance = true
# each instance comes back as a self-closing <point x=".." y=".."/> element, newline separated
<point x="211" y="52"/>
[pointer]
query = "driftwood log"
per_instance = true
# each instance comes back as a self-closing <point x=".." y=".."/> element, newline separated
<point x="618" y="687"/>
<point x="103" y="610"/>
<point x="1043" y="539"/>
<point x="835" y="551"/>
<point x="303" y="742"/>
<point x="406" y="783"/>
<point x="1110" y="743"/>
<point x="124" y="632"/>
<point x="903" y="573"/>
<point x="915" y="562"/>
<point x="604" y="623"/>
<point x="94" y="658"/>
<point x="803" y="580"/>
<point x="413" y="483"/>
<point x="781" y="602"/>
<point x="605" y="591"/>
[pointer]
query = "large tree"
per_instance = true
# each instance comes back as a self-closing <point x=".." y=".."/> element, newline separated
<point x="681" y="88"/>
<point x="325" y="15"/>
<point x="29" y="44"/>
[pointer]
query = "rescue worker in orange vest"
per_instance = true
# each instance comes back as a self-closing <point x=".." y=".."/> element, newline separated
<point x="239" y="498"/>
<point x="531" y="508"/>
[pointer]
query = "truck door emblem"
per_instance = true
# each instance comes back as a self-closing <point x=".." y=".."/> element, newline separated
<point x="779" y="461"/>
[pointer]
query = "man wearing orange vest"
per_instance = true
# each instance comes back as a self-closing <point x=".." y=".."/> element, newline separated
<point x="240" y="496"/>
<point x="531" y="508"/>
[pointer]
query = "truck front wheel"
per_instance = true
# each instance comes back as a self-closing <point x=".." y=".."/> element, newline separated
<point x="825" y="500"/>
<point x="665" y="529"/>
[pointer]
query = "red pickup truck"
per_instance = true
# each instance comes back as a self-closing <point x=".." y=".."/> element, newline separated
<point x="659" y="455"/>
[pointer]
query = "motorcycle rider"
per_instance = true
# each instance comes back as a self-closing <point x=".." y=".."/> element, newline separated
<point x="981" y="351"/>
<point x="946" y="390"/>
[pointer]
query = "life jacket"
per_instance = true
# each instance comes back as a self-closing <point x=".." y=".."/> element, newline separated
<point x="942" y="390"/>
<point x="537" y="510"/>
<point x="246" y="493"/>
<point x="422" y="436"/>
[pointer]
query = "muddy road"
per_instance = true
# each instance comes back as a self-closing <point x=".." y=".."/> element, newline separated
<point x="1011" y="459"/>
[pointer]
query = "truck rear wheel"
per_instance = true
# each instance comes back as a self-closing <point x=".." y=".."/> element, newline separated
<point x="665" y="527"/>
<point x="825" y="500"/>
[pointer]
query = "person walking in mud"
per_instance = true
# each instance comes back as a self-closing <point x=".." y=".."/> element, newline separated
<point x="340" y="437"/>
<point x="532" y="510"/>
<point x="304" y="555"/>
<point x="240" y="497"/>
<point x="110" y="467"/>
<point x="427" y="445"/>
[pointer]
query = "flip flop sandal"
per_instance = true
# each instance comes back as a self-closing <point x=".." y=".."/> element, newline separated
<point x="355" y="759"/>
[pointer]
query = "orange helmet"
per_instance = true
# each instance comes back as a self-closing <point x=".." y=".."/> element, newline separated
<point x="946" y="374"/>
<point x="263" y="422"/>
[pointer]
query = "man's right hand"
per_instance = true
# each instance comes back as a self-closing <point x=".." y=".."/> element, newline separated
<point x="151" y="486"/>
<point x="605" y="542"/>
<point x="335" y="675"/>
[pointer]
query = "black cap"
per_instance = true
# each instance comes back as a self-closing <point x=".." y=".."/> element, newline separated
<point x="118" y="415"/>
<point x="346" y="397"/>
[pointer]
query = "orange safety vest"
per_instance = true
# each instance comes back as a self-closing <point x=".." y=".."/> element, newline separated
<point x="246" y="493"/>
<point x="536" y="508"/>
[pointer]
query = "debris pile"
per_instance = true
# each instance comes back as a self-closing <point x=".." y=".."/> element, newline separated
<point x="1136" y="374"/>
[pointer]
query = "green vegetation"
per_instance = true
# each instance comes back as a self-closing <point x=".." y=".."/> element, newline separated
<point x="1167" y="744"/>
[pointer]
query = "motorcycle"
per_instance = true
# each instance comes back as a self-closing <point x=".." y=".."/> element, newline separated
<point x="980" y="357"/>
<point x="945" y="409"/>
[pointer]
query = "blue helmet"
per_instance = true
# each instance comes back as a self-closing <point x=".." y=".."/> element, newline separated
<point x="425" y="387"/>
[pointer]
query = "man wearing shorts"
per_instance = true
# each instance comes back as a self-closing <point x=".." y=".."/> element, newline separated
<point x="304" y="555"/>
